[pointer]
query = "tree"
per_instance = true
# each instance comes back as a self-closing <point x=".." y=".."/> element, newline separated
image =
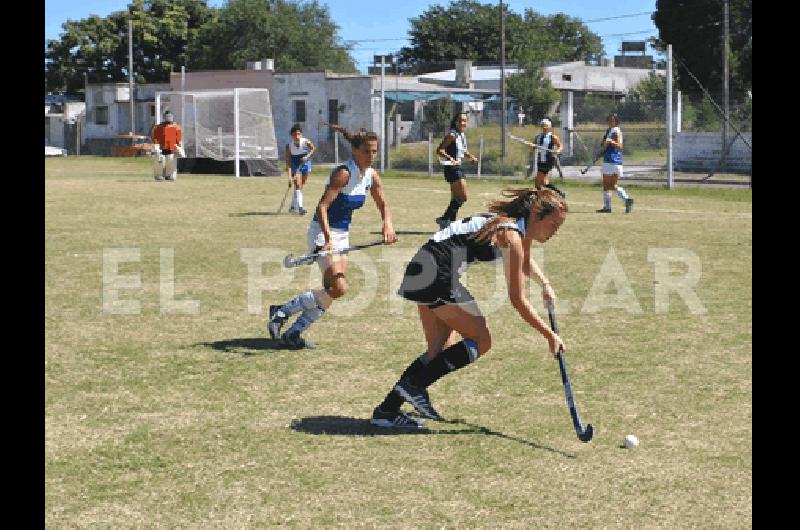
<point x="298" y="35"/>
<point x="162" y="30"/>
<point x="695" y="31"/>
<point x="532" y="89"/>
<point x="467" y="29"/>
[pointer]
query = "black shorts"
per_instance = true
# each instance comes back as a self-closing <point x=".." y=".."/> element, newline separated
<point x="544" y="167"/>
<point x="453" y="173"/>
<point x="426" y="283"/>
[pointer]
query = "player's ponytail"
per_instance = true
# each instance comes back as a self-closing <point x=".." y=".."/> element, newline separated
<point x="523" y="202"/>
<point x="355" y="138"/>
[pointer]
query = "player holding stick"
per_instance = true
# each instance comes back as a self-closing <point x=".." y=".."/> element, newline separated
<point x="612" y="166"/>
<point x="344" y="193"/>
<point x="547" y="147"/>
<point x="447" y="308"/>
<point x="452" y="150"/>
<point x="298" y="159"/>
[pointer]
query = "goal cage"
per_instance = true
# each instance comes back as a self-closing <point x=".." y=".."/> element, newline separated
<point x="226" y="125"/>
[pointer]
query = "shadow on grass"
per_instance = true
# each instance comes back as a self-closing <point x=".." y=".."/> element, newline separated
<point x="340" y="425"/>
<point x="409" y="233"/>
<point x="246" y="346"/>
<point x="245" y="214"/>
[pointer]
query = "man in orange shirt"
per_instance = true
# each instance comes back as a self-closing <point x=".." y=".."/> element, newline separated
<point x="167" y="136"/>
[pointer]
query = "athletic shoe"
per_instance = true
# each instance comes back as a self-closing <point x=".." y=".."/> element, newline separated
<point x="276" y="321"/>
<point x="295" y="342"/>
<point x="418" y="398"/>
<point x="604" y="210"/>
<point x="443" y="222"/>
<point x="394" y="420"/>
<point x="159" y="178"/>
<point x="628" y="205"/>
<point x="292" y="209"/>
<point x="301" y="210"/>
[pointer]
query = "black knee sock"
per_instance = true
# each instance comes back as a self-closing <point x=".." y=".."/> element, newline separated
<point x="393" y="401"/>
<point x="452" y="209"/>
<point x="456" y="356"/>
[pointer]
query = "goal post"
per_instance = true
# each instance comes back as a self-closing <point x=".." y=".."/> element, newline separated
<point x="224" y="124"/>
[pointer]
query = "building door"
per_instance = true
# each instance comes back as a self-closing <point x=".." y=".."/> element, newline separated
<point x="333" y="116"/>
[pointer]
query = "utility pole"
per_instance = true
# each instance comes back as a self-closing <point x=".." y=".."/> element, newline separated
<point x="502" y="81"/>
<point x="725" y="85"/>
<point x="383" y="116"/>
<point x="130" y="75"/>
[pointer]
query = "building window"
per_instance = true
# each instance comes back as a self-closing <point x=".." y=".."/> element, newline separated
<point x="566" y="77"/>
<point x="152" y="111"/>
<point x="101" y="116"/>
<point x="299" y="111"/>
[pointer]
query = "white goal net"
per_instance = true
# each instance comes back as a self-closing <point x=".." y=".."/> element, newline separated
<point x="231" y="124"/>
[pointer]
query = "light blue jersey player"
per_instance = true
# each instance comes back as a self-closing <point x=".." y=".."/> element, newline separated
<point x="298" y="160"/>
<point x="345" y="192"/>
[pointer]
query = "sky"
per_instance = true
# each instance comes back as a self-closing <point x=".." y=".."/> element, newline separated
<point x="382" y="27"/>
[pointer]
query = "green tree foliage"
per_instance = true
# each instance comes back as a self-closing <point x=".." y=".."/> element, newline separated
<point x="437" y="115"/>
<point x="98" y="46"/>
<point x="170" y="33"/>
<point x="532" y="90"/>
<point x="695" y="29"/>
<point x="298" y="35"/>
<point x="467" y="29"/>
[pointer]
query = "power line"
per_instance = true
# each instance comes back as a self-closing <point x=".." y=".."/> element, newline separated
<point x="620" y="16"/>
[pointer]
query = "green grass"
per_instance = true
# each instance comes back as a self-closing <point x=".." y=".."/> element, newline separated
<point x="192" y="420"/>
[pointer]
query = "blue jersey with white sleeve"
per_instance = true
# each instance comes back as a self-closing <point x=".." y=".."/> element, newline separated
<point x="350" y="198"/>
<point x="613" y="155"/>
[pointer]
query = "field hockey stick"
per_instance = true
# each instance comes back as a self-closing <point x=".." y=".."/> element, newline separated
<point x="558" y="167"/>
<point x="526" y="142"/>
<point x="285" y="194"/>
<point x="307" y="259"/>
<point x="596" y="158"/>
<point x="584" y="434"/>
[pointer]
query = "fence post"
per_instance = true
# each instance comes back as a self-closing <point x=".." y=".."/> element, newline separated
<point x="669" y="116"/>
<point x="480" y="156"/>
<point x="430" y="154"/>
<point x="335" y="148"/>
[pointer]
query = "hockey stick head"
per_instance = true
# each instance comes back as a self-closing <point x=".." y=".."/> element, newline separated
<point x="288" y="262"/>
<point x="587" y="434"/>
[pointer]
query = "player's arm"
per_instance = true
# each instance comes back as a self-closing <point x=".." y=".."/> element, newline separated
<point x="614" y="140"/>
<point x="311" y="149"/>
<point x="511" y="246"/>
<point x="532" y="270"/>
<point x="557" y="147"/>
<point x="338" y="181"/>
<point x="389" y="235"/>
<point x="446" y="141"/>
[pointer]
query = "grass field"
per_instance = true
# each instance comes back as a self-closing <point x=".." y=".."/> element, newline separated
<point x="197" y="420"/>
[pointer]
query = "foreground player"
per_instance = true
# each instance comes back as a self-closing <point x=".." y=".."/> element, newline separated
<point x="446" y="307"/>
<point x="345" y="192"/>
